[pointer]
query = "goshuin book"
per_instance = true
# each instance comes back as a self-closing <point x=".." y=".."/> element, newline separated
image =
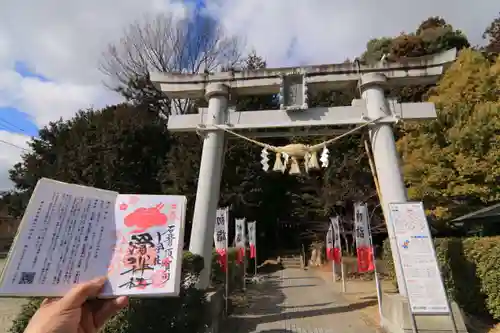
<point x="71" y="233"/>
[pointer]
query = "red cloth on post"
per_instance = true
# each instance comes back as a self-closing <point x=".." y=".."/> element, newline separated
<point x="222" y="259"/>
<point x="365" y="259"/>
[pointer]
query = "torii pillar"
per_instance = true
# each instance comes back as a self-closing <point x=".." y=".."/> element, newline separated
<point x="293" y="85"/>
<point x="209" y="178"/>
<point x="385" y="155"/>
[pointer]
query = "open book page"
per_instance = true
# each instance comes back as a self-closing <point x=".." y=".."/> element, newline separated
<point x="70" y="234"/>
<point x="63" y="239"/>
<point x="148" y="254"/>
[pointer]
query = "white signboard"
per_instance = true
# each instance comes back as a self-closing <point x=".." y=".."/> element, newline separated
<point x="418" y="259"/>
<point x="220" y="231"/>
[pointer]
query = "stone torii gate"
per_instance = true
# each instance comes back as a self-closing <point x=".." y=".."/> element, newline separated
<point x="293" y="84"/>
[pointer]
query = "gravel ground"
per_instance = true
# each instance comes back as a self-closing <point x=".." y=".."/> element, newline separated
<point x="9" y="307"/>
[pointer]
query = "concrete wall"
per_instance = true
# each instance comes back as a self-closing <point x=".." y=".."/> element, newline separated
<point x="215" y="310"/>
<point x="396" y="318"/>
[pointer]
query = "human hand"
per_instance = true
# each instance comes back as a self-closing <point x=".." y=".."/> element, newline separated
<point x="73" y="313"/>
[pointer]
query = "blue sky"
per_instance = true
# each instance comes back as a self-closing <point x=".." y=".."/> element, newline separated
<point x="14" y="120"/>
<point x="58" y="44"/>
<point x="18" y="121"/>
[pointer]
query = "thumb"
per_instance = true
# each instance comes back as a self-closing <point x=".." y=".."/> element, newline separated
<point x="80" y="293"/>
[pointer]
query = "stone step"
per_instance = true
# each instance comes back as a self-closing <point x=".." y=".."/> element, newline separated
<point x="294" y="265"/>
<point x="291" y="262"/>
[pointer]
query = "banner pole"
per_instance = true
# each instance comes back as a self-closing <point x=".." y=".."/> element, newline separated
<point x="334" y="271"/>
<point x="377" y="281"/>
<point x="244" y="269"/>
<point x="244" y="255"/>
<point x="255" y="247"/>
<point x="226" y="227"/>
<point x="343" y="276"/>
<point x="334" y="235"/>
<point x="255" y="257"/>
<point x="342" y="263"/>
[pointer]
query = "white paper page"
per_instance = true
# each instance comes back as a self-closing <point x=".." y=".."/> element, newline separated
<point x="150" y="237"/>
<point x="425" y="288"/>
<point x="65" y="237"/>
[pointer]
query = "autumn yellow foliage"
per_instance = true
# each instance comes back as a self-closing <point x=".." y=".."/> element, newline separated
<point x="453" y="162"/>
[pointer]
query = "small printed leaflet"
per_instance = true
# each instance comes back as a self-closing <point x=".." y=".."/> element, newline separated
<point x="420" y="269"/>
<point x="220" y="236"/>
<point x="363" y="245"/>
<point x="240" y="239"/>
<point x="72" y="233"/>
<point x="252" y="238"/>
<point x="337" y="245"/>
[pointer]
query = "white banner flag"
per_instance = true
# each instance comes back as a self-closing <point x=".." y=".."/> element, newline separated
<point x="251" y="233"/>
<point x="361" y="225"/>
<point x="252" y="238"/>
<point x="329" y="238"/>
<point x="336" y="232"/>
<point x="220" y="231"/>
<point x="239" y="235"/>
<point x="363" y="244"/>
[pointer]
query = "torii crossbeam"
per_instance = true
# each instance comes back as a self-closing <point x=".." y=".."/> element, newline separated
<point x="293" y="85"/>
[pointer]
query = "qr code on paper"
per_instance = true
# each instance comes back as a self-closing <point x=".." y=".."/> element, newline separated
<point x="27" y="278"/>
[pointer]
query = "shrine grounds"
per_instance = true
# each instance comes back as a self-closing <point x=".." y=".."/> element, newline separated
<point x="9" y="307"/>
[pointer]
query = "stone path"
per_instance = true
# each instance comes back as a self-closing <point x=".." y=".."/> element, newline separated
<point x="294" y="300"/>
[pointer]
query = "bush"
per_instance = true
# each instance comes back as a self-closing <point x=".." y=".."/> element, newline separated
<point x="218" y="276"/>
<point x="471" y="272"/>
<point x="172" y="314"/>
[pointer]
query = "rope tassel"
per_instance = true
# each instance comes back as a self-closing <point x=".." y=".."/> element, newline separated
<point x="324" y="158"/>
<point x="312" y="162"/>
<point x="278" y="164"/>
<point x="286" y="158"/>
<point x="294" y="167"/>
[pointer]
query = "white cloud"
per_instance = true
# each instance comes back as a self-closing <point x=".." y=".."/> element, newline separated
<point x="45" y="101"/>
<point x="325" y="31"/>
<point x="10" y="155"/>
<point x="64" y="40"/>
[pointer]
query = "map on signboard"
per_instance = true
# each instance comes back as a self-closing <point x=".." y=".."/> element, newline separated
<point x="424" y="285"/>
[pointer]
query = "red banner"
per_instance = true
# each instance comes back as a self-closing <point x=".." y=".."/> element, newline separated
<point x="329" y="254"/>
<point x="240" y="255"/>
<point x="337" y="255"/>
<point x="253" y="251"/>
<point x="221" y="259"/>
<point x="365" y="259"/>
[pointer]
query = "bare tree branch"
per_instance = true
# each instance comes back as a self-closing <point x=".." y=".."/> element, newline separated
<point x="165" y="44"/>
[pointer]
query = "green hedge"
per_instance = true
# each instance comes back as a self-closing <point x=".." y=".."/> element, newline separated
<point x="471" y="272"/>
<point x="173" y="314"/>
<point x="218" y="276"/>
